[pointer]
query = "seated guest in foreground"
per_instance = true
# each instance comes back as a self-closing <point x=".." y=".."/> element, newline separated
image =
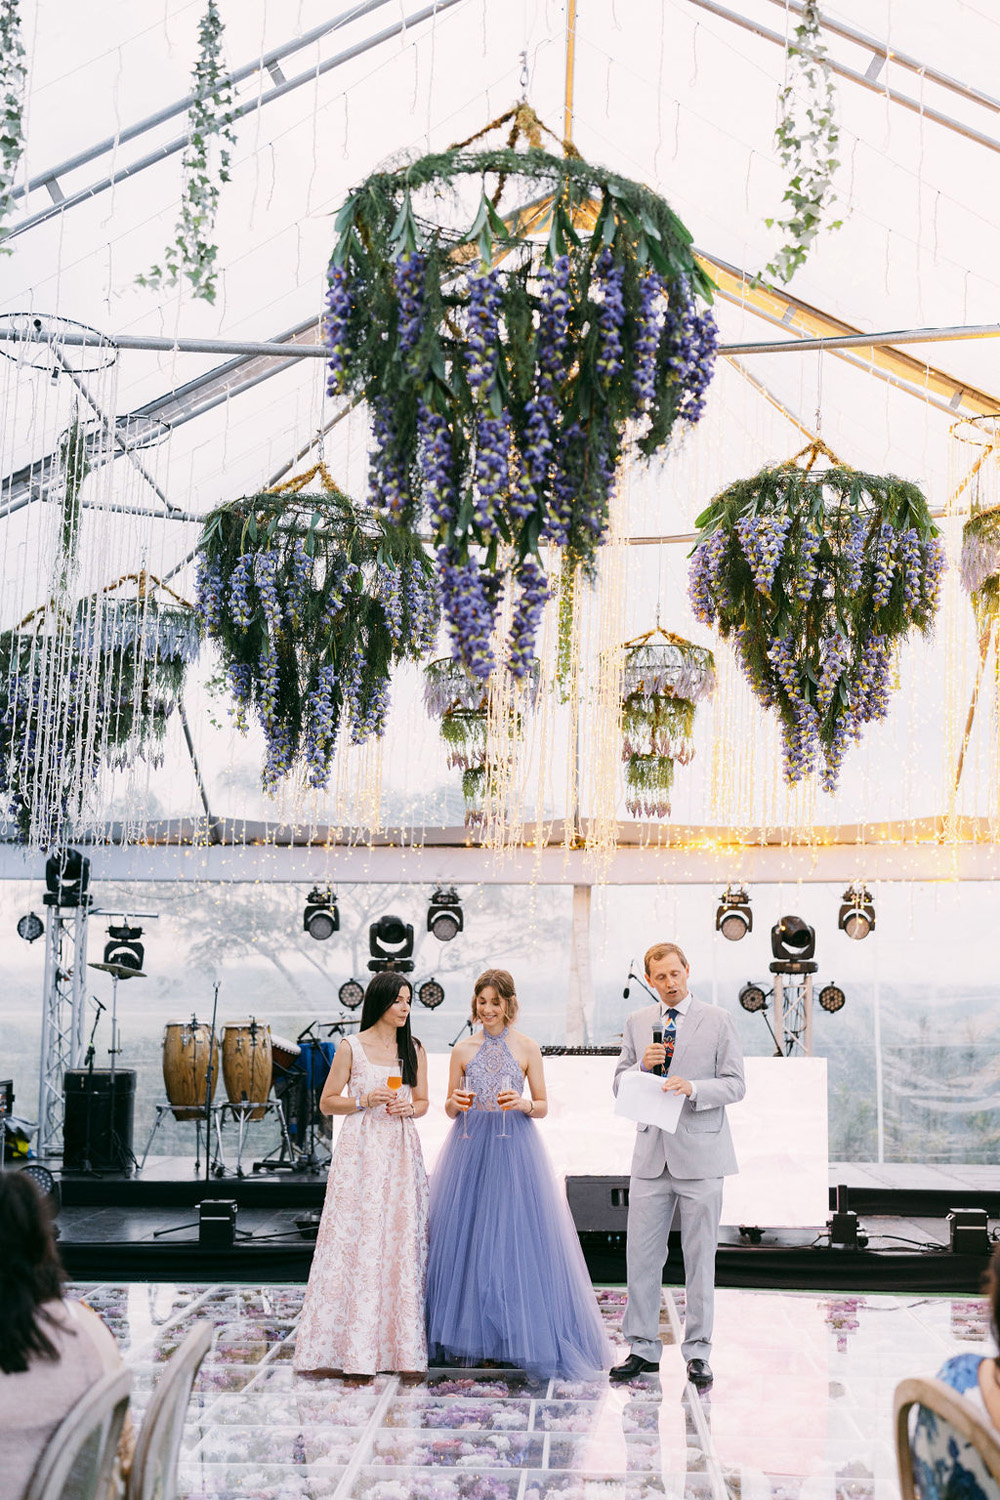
<point x="506" y="1279"/>
<point x="51" y="1350"/>
<point x="977" y="1376"/>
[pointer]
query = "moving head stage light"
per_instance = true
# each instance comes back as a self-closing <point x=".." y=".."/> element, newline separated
<point x="124" y="947"/>
<point x="734" y="919"/>
<point x="793" y="944"/>
<point x="67" y="876"/>
<point x="857" y="914"/>
<point x="390" y="942"/>
<point x="444" y="915"/>
<point x="321" y="918"/>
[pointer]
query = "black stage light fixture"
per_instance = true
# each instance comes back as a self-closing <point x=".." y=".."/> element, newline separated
<point x="832" y="998"/>
<point x="67" y="876"/>
<point x="321" y="919"/>
<point x="46" y="1184"/>
<point x="752" y="997"/>
<point x="857" y="913"/>
<point x="351" y="994"/>
<point x="390" y="942"/>
<point x="792" y="940"/>
<point x="444" y="915"/>
<point x="430" y="994"/>
<point x="30" y="927"/>
<point x="734" y="919"/>
<point x="124" y="946"/>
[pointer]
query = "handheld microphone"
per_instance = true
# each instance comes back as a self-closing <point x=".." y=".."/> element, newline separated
<point x="658" y="1042"/>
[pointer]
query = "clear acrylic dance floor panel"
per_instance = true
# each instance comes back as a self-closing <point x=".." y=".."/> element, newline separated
<point x="800" y="1409"/>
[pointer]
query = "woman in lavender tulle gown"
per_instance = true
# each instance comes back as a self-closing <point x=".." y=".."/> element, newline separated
<point x="506" y="1279"/>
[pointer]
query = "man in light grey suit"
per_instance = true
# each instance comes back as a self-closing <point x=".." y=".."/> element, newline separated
<point x="702" y="1059"/>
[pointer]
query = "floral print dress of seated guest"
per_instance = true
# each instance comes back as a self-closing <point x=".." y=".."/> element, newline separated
<point x="506" y="1278"/>
<point x="364" y="1306"/>
<point x="945" y="1465"/>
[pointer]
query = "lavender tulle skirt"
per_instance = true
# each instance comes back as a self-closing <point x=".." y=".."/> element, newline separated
<point x="506" y="1278"/>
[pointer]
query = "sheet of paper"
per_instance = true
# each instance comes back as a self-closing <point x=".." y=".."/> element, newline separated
<point x="641" y="1097"/>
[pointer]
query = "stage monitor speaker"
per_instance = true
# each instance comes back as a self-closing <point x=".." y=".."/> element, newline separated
<point x="969" y="1231"/>
<point x="217" y="1223"/>
<point x="97" y="1126"/>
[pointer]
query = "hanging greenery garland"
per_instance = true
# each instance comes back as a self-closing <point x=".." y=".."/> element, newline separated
<point x="501" y="372"/>
<point x="665" y="677"/>
<point x="13" y="75"/>
<point x="192" y="254"/>
<point x="980" y="564"/>
<point x="807" y="139"/>
<point x="818" y="575"/>
<point x="311" y="603"/>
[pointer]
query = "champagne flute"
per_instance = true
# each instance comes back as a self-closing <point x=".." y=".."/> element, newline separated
<point x="395" y="1078"/>
<point x="509" y="1086"/>
<point x="463" y="1088"/>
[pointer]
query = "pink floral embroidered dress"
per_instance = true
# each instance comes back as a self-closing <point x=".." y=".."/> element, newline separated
<point x="364" y="1305"/>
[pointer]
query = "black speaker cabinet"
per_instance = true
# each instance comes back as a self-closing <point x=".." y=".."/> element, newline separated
<point x="97" y="1126"/>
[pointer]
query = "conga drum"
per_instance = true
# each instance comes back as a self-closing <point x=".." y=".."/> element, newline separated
<point x="187" y="1047"/>
<point x="247" y="1064"/>
<point x="283" y="1055"/>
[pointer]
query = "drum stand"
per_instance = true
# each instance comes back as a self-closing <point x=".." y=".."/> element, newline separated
<point x="215" y="1164"/>
<point x="241" y="1112"/>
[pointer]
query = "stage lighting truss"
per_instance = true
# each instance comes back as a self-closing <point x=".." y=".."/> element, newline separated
<point x="734" y="919"/>
<point x="124" y="946"/>
<point x="390" y="943"/>
<point x="832" y="998"/>
<point x="857" y="913"/>
<point x="793" y="942"/>
<point x="321" y="918"/>
<point x="30" y="927"/>
<point x="444" y="915"/>
<point x="430" y="994"/>
<point x="752" y="997"/>
<point x="351" y="994"/>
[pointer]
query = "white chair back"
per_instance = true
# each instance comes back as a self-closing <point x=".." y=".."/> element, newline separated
<point x="153" y="1475"/>
<point x="79" y="1458"/>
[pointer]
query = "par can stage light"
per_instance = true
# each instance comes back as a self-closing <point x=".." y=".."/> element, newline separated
<point x="752" y="997"/>
<point x="351" y="994"/>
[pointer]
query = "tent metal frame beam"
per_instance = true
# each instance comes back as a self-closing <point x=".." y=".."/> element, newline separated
<point x="281" y="350"/>
<point x="900" y="59"/>
<point x="287" y="85"/>
<point x="915" y="106"/>
<point x="267" y="63"/>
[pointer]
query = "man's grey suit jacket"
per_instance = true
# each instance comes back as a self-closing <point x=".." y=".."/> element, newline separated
<point x="707" y="1053"/>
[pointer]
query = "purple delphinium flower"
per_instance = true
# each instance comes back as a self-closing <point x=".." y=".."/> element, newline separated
<point x="800" y="741"/>
<point x="492" y="467"/>
<point x="388" y="486"/>
<point x="647" y="339"/>
<point x="763" y="541"/>
<point x="559" y="521"/>
<point x="835" y="657"/>
<point x="387" y="589"/>
<point x="805" y="575"/>
<point x="481" y="354"/>
<point x="335" y="329"/>
<point x="240" y="686"/>
<point x="870" y="699"/>
<point x="935" y="563"/>
<point x="785" y="663"/>
<point x="435" y="465"/>
<point x="300" y="578"/>
<point x="691" y="341"/>
<point x="240" y="608"/>
<point x="209" y="595"/>
<point x="408" y="280"/>
<point x="320" y="728"/>
<point x="854" y="552"/>
<point x="611" y="316"/>
<point x="910" y="556"/>
<point x="706" y="576"/>
<point x="470" y="611"/>
<point x="533" y="592"/>
<point x="885" y="564"/>
<point x="266" y="573"/>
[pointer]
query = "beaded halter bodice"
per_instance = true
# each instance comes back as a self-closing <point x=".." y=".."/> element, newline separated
<point x="493" y="1069"/>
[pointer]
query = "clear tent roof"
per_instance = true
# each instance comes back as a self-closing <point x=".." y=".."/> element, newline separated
<point x="677" y="95"/>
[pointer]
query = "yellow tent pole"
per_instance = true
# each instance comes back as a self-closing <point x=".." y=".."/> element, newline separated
<point x="570" y="64"/>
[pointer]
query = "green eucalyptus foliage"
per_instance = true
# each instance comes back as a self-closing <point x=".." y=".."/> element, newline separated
<point x="311" y="604"/>
<point x="980" y="564"/>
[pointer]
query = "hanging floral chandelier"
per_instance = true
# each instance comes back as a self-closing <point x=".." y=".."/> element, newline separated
<point x="664" y="678"/>
<point x="818" y="575"/>
<point x="505" y="314"/>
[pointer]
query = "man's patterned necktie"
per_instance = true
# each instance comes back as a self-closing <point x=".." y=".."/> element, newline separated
<point x="669" y="1039"/>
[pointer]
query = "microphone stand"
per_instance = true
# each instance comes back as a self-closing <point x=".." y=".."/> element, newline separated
<point x="89" y="1061"/>
<point x="645" y="986"/>
<point x="209" y="1080"/>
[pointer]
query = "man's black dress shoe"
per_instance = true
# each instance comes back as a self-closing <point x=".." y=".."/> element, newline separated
<point x="699" y="1372"/>
<point x="635" y="1365"/>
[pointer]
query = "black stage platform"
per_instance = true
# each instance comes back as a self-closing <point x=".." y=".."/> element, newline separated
<point x="108" y="1223"/>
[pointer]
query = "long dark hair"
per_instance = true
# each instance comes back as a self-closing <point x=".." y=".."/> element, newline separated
<point x="30" y="1273"/>
<point x="382" y="992"/>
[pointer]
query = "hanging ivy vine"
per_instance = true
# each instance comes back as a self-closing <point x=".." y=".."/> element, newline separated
<point x="459" y="702"/>
<point x="807" y="139"/>
<point x="817" y="576"/>
<point x="980" y="564"/>
<point x="501" y="370"/>
<point x="665" y="677"/>
<point x="311" y="603"/>
<point x="193" y="254"/>
<point x="13" y="75"/>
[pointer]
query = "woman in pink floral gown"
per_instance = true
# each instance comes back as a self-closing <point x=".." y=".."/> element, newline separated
<point x="364" y="1305"/>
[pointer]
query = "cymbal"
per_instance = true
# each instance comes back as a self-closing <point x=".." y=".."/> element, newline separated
<point x="120" y="971"/>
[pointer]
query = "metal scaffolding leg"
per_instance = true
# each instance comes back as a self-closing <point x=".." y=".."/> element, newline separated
<point x="62" y="1018"/>
<point x="793" y="1005"/>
